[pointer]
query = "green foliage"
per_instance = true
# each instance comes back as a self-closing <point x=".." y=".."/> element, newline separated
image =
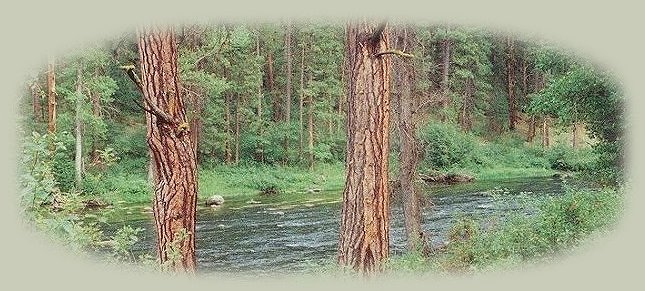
<point x="561" y="222"/>
<point x="446" y="146"/>
<point x="37" y="178"/>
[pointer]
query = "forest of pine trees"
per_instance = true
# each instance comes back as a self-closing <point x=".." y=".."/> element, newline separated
<point x="385" y="101"/>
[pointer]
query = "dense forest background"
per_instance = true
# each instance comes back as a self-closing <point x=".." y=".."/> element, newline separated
<point x="272" y="95"/>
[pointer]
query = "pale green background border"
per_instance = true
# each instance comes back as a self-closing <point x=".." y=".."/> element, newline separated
<point x="607" y="33"/>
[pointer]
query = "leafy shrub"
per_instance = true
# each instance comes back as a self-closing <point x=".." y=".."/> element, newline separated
<point x="446" y="146"/>
<point x="565" y="158"/>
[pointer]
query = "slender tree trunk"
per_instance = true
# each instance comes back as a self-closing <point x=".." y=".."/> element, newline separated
<point x="510" y="77"/>
<point x="78" y="158"/>
<point x="237" y="129"/>
<point x="445" y="73"/>
<point x="310" y="126"/>
<point x="228" y="153"/>
<point x="445" y="69"/>
<point x="545" y="132"/>
<point x="287" y="98"/>
<point x="260" y="101"/>
<point x="301" y="101"/>
<point x="531" y="133"/>
<point x="404" y="75"/>
<point x="288" y="56"/>
<point x="51" y="97"/>
<point x="97" y="113"/>
<point x="271" y="82"/>
<point x="196" y="121"/>
<point x="364" y="226"/>
<point x="169" y="140"/>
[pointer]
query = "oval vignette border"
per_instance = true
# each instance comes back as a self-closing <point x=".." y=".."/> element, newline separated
<point x="605" y="33"/>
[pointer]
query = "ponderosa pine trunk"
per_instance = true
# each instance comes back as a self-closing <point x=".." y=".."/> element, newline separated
<point x="364" y="228"/>
<point x="404" y="76"/>
<point x="168" y="136"/>
<point x="51" y="97"/>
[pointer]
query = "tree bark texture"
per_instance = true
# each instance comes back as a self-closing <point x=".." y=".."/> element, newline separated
<point x="404" y="76"/>
<point x="364" y="230"/>
<point x="51" y="97"/>
<point x="168" y="137"/>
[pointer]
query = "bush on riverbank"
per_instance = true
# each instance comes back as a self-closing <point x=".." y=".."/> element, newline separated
<point x="561" y="222"/>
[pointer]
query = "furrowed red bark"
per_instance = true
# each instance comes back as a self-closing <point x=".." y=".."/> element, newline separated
<point x="364" y="230"/>
<point x="172" y="151"/>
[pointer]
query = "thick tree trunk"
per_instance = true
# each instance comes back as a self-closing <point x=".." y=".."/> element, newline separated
<point x="364" y="226"/>
<point x="51" y="97"/>
<point x="404" y="75"/>
<point x="169" y="140"/>
<point x="510" y="77"/>
<point x="78" y="136"/>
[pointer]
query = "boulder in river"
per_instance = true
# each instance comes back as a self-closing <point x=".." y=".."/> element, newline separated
<point x="215" y="200"/>
<point x="446" y="178"/>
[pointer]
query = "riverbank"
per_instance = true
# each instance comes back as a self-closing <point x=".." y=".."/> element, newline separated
<point x="285" y="181"/>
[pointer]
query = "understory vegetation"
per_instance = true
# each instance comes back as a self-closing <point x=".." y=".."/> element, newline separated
<point x="558" y="225"/>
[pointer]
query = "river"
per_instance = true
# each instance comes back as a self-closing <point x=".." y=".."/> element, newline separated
<point x="275" y="236"/>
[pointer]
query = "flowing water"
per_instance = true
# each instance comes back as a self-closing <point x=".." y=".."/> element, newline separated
<point x="266" y="235"/>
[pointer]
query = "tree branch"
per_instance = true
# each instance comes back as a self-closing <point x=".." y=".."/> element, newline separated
<point x="154" y="109"/>
<point x="394" y="52"/>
